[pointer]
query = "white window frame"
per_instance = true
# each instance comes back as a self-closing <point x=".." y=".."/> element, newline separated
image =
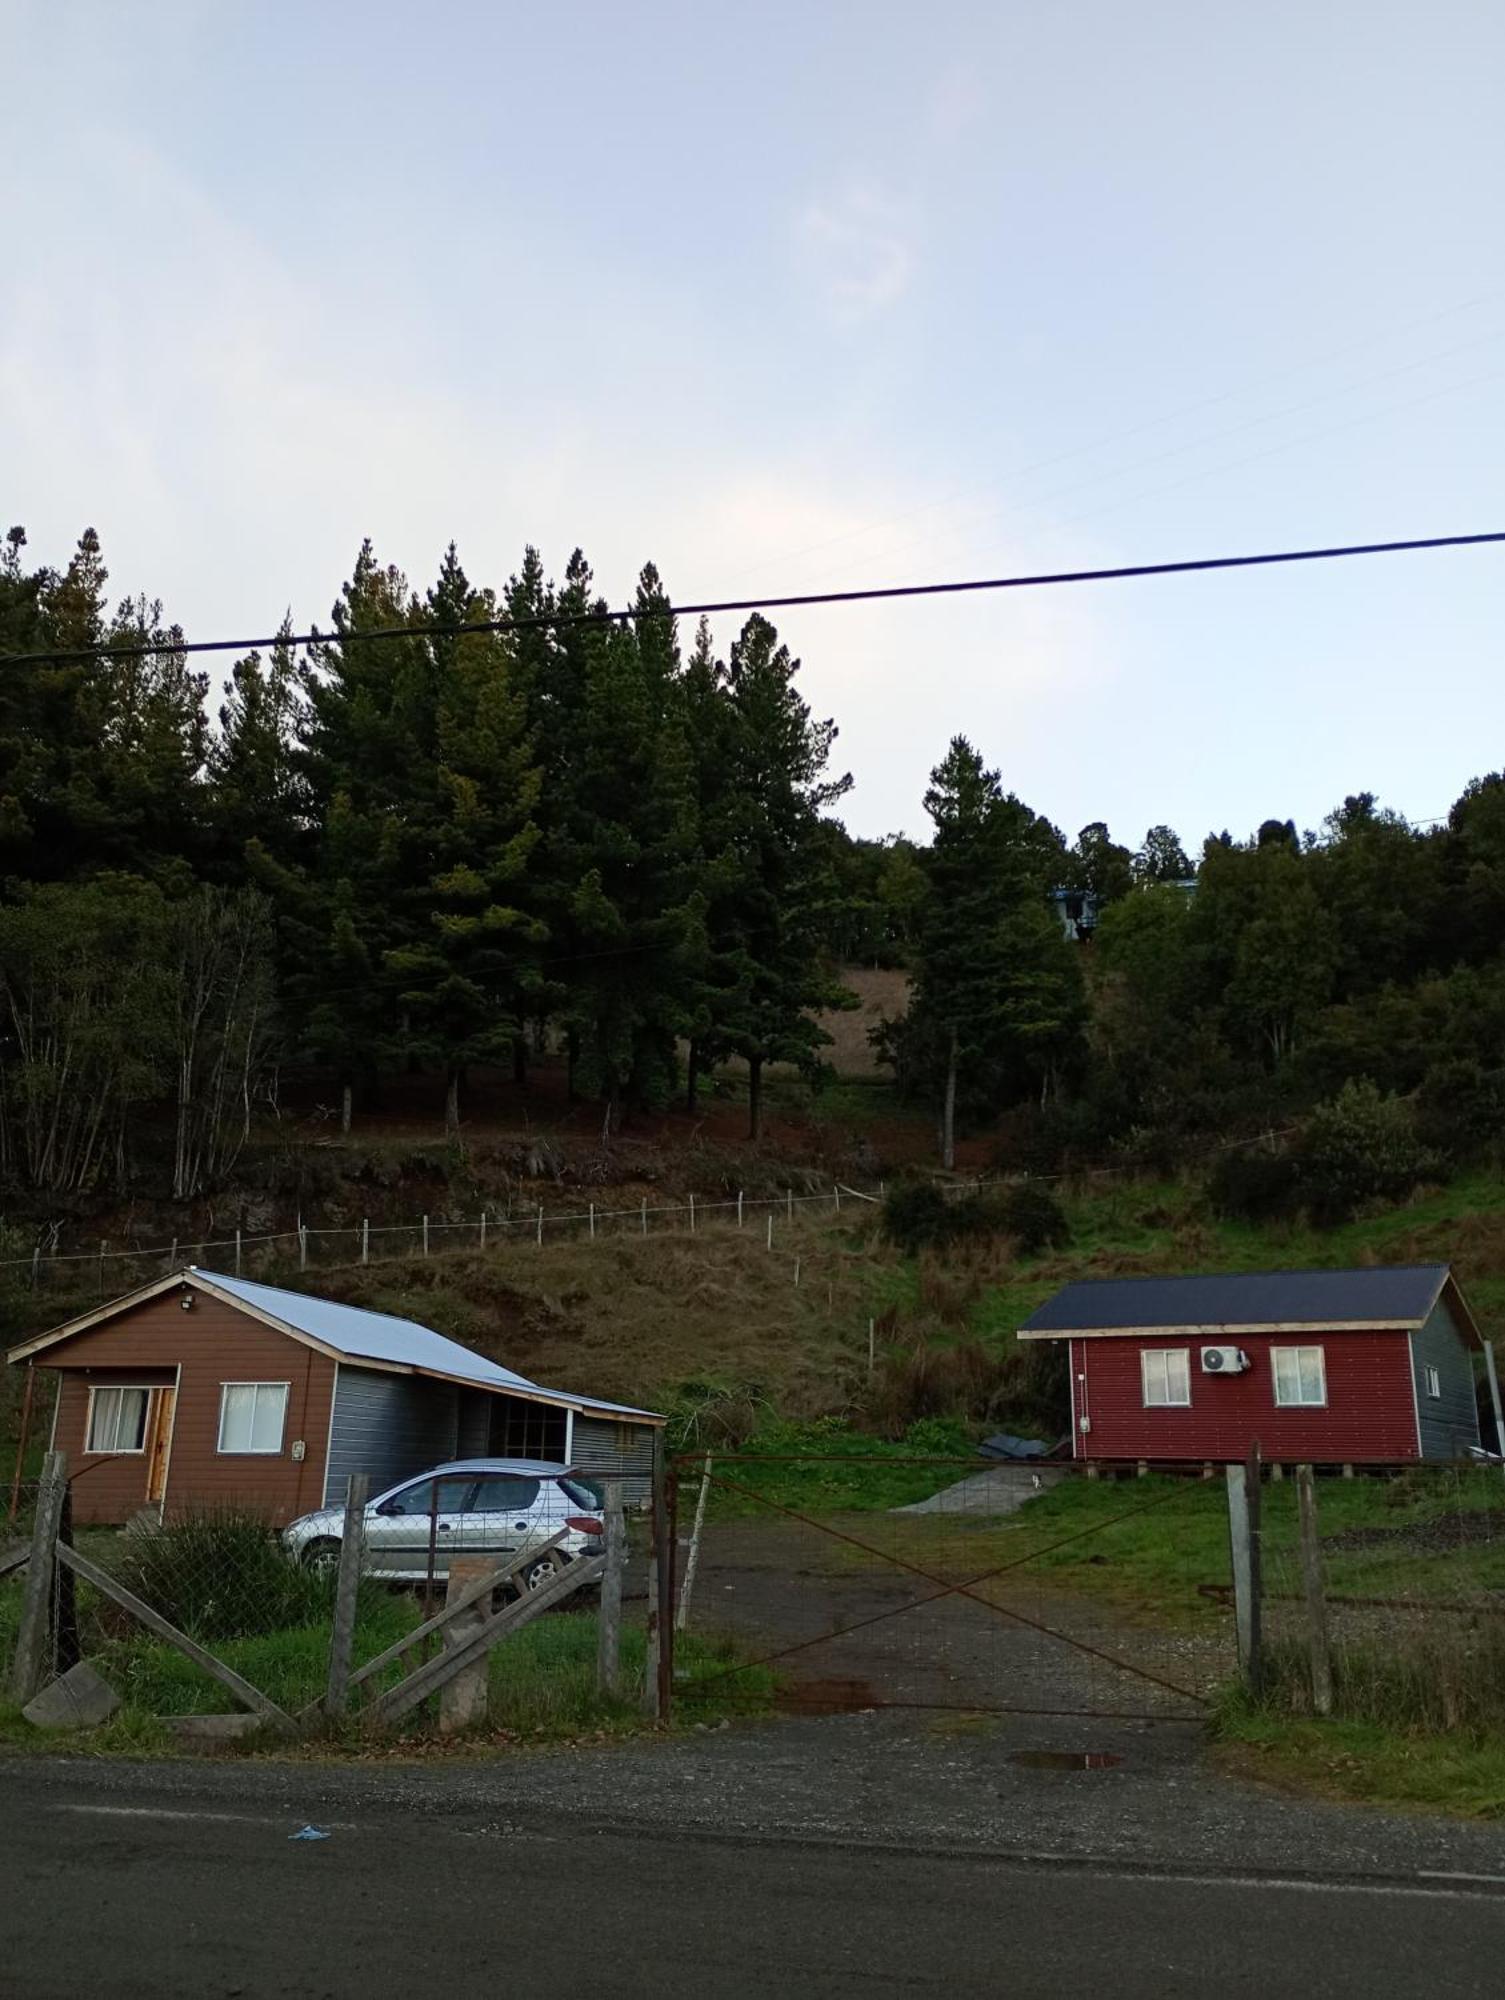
<point x="252" y="1450"/>
<point x="147" y="1389"/>
<point x="1163" y="1355"/>
<point x="1298" y="1401"/>
<point x="1434" y="1383"/>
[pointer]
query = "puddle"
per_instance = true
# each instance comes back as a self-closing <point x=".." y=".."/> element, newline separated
<point x="833" y="1697"/>
<point x="1065" y="1760"/>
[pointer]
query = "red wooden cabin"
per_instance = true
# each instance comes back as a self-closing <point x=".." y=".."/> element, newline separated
<point x="1368" y="1366"/>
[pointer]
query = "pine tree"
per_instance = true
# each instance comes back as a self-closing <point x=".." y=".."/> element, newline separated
<point x="998" y="1000"/>
<point x="258" y="793"/>
<point x="772" y="881"/>
<point x="469" y="980"/>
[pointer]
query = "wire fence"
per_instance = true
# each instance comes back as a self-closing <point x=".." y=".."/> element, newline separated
<point x="246" y="1254"/>
<point x="1384" y="1598"/>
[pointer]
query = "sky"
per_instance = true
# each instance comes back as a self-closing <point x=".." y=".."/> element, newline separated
<point x="802" y="297"/>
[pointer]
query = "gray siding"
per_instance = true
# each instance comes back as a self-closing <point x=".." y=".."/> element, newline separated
<point x="388" y="1426"/>
<point x="1449" y="1422"/>
<point x="608" y="1450"/>
<point x="473" y="1439"/>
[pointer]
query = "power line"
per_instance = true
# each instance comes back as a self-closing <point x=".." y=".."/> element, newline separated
<point x="603" y="615"/>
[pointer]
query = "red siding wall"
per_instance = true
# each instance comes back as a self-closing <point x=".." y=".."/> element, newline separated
<point x="213" y="1344"/>
<point x="1370" y="1414"/>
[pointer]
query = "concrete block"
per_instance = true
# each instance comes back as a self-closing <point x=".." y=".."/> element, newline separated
<point x="78" y="1699"/>
<point x="214" y="1728"/>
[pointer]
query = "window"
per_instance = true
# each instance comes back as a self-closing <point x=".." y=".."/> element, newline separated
<point x="419" y="1498"/>
<point x="1300" y="1376"/>
<point x="251" y="1416"/>
<point x="1434" y="1383"/>
<point x="584" y="1493"/>
<point x="1166" y="1372"/>
<point x="117" y="1419"/>
<point x="499" y="1493"/>
<point x="527" y="1430"/>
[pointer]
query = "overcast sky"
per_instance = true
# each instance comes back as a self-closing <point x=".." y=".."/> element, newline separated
<point x="795" y="297"/>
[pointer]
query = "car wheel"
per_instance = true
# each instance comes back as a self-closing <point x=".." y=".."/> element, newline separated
<point x="537" y="1573"/>
<point x="322" y="1557"/>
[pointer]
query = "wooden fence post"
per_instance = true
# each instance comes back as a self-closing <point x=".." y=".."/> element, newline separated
<point x="425" y="1236"/>
<point x="692" y="1215"/>
<point x="609" y="1631"/>
<point x="645" y="1215"/>
<point x="1243" y="1537"/>
<point x="462" y="1699"/>
<point x="1316" y="1601"/>
<point x="237" y="1253"/>
<point x="739" y="1208"/>
<point x="483" y="1229"/>
<point x="658" y="1677"/>
<point x="365" y="1239"/>
<point x="28" y="1667"/>
<point x="346" y="1590"/>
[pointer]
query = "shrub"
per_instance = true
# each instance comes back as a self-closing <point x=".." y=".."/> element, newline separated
<point x="966" y="1382"/>
<point x="1252" y="1184"/>
<point x="918" y="1216"/>
<point x="1032" y="1215"/>
<point x="1460" y="1108"/>
<point x="222" y="1573"/>
<point x="1361" y="1146"/>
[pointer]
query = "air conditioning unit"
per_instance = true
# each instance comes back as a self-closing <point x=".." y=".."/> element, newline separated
<point x="1224" y="1360"/>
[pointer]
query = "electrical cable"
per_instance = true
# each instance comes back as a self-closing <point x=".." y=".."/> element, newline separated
<point x="604" y="615"/>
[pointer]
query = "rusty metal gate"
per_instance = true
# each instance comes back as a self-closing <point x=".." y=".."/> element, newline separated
<point x="856" y="1582"/>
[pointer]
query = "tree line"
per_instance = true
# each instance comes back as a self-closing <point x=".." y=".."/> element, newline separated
<point x="1351" y="978"/>
<point x="440" y="850"/>
<point x="451" y="849"/>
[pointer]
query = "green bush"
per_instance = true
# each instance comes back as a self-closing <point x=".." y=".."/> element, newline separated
<point x="917" y="1215"/>
<point x="1251" y="1184"/>
<point x="222" y="1573"/>
<point x="1032" y="1215"/>
<point x="1361" y="1146"/>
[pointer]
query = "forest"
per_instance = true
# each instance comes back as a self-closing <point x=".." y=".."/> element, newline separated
<point x="600" y="844"/>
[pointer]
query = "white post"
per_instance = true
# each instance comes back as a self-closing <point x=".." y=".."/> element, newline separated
<point x="237" y="1253"/>
<point x="425" y="1236"/>
<point x="796" y="1273"/>
<point x="593" y="1222"/>
<point x="365" y="1239"/>
<point x="540" y="1225"/>
<point x="770" y="1231"/>
<point x="302" y="1246"/>
<point x="1494" y="1393"/>
<point x="739" y="1208"/>
<point x="692" y="1560"/>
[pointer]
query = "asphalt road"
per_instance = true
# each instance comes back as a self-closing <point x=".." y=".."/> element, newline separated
<point x="138" y="1888"/>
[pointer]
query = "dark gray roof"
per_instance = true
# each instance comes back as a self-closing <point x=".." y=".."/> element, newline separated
<point x="1246" y="1299"/>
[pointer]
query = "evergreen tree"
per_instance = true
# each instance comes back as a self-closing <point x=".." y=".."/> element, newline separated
<point x="773" y="882"/>
<point x="997" y="1001"/>
<point x="258" y="793"/>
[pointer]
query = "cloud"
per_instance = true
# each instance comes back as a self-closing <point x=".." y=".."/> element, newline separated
<point x="859" y="244"/>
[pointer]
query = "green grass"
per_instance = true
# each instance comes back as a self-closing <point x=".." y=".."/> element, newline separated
<point x="1455" y="1771"/>
<point x="827" y="1467"/>
<point x="1173" y="1538"/>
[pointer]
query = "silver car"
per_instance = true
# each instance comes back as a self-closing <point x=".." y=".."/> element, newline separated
<point x="495" y="1508"/>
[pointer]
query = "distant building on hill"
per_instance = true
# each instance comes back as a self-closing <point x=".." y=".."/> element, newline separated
<point x="1078" y="910"/>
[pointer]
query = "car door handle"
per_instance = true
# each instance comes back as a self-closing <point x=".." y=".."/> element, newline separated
<point x="521" y="1526"/>
<point x="444" y="1527"/>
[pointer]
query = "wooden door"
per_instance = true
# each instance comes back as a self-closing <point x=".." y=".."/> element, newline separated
<point x="161" y="1444"/>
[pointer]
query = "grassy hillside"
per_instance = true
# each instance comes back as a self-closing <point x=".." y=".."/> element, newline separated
<point x="652" y="1318"/>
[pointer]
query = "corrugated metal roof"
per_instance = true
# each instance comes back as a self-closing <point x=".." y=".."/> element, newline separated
<point x="359" y="1335"/>
<point x="1247" y="1299"/>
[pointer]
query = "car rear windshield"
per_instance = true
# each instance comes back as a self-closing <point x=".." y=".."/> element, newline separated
<point x="582" y="1494"/>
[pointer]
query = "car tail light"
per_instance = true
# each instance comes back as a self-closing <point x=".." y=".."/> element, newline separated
<point x="584" y="1525"/>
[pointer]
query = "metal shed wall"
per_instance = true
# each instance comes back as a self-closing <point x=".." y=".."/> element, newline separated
<point x="608" y="1450"/>
<point x="387" y="1426"/>
<point x="1449" y="1423"/>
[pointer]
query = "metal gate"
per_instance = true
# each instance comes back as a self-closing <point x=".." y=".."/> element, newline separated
<point x="857" y="1581"/>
